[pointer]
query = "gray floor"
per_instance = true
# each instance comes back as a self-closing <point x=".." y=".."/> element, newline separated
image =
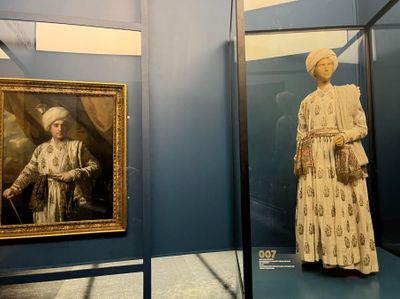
<point x="214" y="275"/>
<point x="208" y="275"/>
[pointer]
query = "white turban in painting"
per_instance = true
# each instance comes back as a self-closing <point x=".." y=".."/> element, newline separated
<point x="318" y="54"/>
<point x="53" y="114"/>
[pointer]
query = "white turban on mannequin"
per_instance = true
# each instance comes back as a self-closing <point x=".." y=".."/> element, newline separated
<point x="53" y="114"/>
<point x="318" y="54"/>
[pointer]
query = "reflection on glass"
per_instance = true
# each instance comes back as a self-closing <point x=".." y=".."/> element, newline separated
<point x="367" y="9"/>
<point x="289" y="14"/>
<point x="3" y="55"/>
<point x="261" y="46"/>
<point x="85" y="39"/>
<point x="386" y="71"/>
<point x="391" y="17"/>
<point x="19" y="41"/>
<point x="18" y="33"/>
<point x="301" y="14"/>
<point x="265" y="46"/>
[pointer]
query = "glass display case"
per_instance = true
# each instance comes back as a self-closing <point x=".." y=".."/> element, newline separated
<point x="64" y="41"/>
<point x="273" y="41"/>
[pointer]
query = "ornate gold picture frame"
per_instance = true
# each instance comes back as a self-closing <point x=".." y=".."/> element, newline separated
<point x="63" y="158"/>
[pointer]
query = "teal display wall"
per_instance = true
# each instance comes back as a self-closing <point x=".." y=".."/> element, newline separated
<point x="192" y="176"/>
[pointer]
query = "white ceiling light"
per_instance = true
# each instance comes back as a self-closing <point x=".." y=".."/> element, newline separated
<point x="256" y="4"/>
<point x="263" y="46"/>
<point x="88" y="40"/>
<point x="3" y="54"/>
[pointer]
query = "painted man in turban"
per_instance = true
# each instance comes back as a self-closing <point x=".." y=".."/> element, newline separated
<point x="61" y="170"/>
<point x="333" y="220"/>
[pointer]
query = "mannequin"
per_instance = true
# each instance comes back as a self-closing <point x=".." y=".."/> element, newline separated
<point x="333" y="221"/>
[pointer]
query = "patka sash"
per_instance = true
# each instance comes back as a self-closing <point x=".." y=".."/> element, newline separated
<point x="347" y="167"/>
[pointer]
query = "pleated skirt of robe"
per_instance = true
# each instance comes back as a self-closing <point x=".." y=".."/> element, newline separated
<point x="333" y="220"/>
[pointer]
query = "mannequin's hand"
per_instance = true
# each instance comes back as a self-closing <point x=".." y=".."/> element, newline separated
<point x="9" y="193"/>
<point x="64" y="176"/>
<point x="339" y="140"/>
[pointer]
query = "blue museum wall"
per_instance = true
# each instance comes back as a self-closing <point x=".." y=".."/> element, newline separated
<point x="192" y="180"/>
<point x="88" y="11"/>
<point x="9" y="69"/>
<point x="192" y="185"/>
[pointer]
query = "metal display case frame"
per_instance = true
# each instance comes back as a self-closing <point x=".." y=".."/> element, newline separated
<point x="146" y="233"/>
<point x="243" y="121"/>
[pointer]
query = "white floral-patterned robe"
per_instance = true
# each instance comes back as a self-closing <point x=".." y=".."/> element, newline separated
<point x="54" y="158"/>
<point x="333" y="221"/>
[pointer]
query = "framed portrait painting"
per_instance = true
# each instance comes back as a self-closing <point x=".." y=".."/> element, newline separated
<point x="63" y="158"/>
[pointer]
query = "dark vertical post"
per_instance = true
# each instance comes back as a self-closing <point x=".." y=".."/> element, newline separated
<point x="373" y="175"/>
<point x="244" y="160"/>
<point x="374" y="202"/>
<point x="147" y="221"/>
